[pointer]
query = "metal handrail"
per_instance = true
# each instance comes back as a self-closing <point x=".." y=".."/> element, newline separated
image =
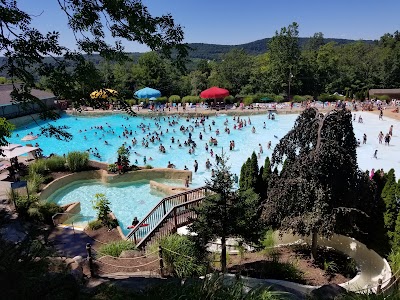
<point x="166" y="216"/>
<point x="64" y="213"/>
<point x="161" y="203"/>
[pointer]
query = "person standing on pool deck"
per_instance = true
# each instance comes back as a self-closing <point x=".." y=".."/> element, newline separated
<point x="187" y="182"/>
<point x="196" y="166"/>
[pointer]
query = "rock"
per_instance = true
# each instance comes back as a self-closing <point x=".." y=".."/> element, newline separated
<point x="130" y="253"/>
<point x="76" y="271"/>
<point x="78" y="259"/>
<point x="327" y="292"/>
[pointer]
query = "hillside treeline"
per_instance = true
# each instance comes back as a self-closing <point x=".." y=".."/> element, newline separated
<point x="314" y="68"/>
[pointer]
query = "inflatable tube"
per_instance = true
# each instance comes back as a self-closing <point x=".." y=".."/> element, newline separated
<point x="141" y="225"/>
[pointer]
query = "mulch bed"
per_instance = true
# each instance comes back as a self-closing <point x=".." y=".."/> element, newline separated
<point x="103" y="236"/>
<point x="109" y="265"/>
<point x="293" y="263"/>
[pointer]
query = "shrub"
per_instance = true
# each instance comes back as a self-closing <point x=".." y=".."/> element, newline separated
<point x="47" y="210"/>
<point x="23" y="203"/>
<point x="279" y="98"/>
<point x="55" y="163"/>
<point x="123" y="157"/>
<point x="47" y="179"/>
<point x="248" y="100"/>
<point x="394" y="261"/>
<point x="77" y="161"/>
<point x="148" y="167"/>
<point x="229" y="99"/>
<point x="162" y="100"/>
<point x="112" y="168"/>
<point x="34" y="182"/>
<point x="102" y="206"/>
<point x="383" y="97"/>
<point x="115" y="248"/>
<point x="191" y="99"/>
<point x="174" y="98"/>
<point x="38" y="167"/>
<point x="298" y="98"/>
<point x="181" y="265"/>
<point x="94" y="225"/>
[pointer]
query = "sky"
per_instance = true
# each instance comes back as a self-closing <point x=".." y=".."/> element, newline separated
<point x="232" y="22"/>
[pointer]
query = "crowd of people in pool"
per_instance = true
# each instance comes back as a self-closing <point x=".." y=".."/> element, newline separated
<point x="154" y="133"/>
<point x="381" y="136"/>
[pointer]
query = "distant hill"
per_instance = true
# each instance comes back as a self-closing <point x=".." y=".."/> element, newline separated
<point x="214" y="51"/>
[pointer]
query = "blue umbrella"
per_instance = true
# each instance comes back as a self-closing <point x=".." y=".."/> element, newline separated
<point x="147" y="93"/>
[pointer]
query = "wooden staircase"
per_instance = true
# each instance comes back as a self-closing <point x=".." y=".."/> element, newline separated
<point x="166" y="217"/>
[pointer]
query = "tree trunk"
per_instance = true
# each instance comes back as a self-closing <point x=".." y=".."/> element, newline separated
<point x="223" y="254"/>
<point x="314" y="245"/>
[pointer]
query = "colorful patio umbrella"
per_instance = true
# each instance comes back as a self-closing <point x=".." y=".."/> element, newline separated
<point x="103" y="93"/>
<point x="214" y="92"/>
<point x="147" y="93"/>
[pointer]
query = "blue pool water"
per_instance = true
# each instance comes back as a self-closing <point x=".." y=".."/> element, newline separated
<point x="136" y="199"/>
<point x="127" y="199"/>
<point x="245" y="141"/>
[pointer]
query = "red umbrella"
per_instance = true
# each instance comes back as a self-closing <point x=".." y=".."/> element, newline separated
<point x="214" y="92"/>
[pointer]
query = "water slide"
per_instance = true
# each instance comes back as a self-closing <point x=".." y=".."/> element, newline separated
<point x="372" y="266"/>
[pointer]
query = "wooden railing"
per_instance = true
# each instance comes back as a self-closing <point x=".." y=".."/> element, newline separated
<point x="176" y="217"/>
<point x="149" y="223"/>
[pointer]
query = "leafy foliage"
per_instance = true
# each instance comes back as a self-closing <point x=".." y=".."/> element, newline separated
<point x="102" y="205"/>
<point x="212" y="287"/>
<point x="312" y="195"/>
<point x="34" y="209"/>
<point x="225" y="212"/>
<point x="391" y="200"/>
<point x="77" y="161"/>
<point x="115" y="248"/>
<point x="188" y="262"/>
<point x="123" y="157"/>
<point x="55" y="163"/>
<point x="94" y="225"/>
<point x="24" y="273"/>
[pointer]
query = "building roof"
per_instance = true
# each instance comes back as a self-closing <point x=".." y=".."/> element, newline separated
<point x="6" y="89"/>
<point x="384" y="91"/>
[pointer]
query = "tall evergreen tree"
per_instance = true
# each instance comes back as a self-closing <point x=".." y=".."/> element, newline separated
<point x="391" y="200"/>
<point x="225" y="212"/>
<point x="249" y="174"/>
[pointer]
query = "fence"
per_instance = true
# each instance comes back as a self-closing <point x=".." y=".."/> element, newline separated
<point x="174" y="204"/>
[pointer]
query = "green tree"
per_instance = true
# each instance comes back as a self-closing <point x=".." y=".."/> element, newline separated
<point x="123" y="157"/>
<point x="315" y="42"/>
<point x="284" y="53"/>
<point x="265" y="173"/>
<point x="315" y="196"/>
<point x="235" y="68"/>
<point x="391" y="199"/>
<point x="249" y="174"/>
<point x="225" y="213"/>
<point x="27" y="51"/>
<point x="102" y="205"/>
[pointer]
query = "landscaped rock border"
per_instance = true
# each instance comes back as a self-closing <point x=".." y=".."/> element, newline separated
<point x="104" y="177"/>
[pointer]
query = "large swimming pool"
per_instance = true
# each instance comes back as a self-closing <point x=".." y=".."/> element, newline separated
<point x="137" y="199"/>
<point x="86" y="135"/>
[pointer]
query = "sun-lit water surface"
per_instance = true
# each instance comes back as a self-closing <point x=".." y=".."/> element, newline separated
<point x="128" y="201"/>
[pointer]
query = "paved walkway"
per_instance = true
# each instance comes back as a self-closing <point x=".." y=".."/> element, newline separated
<point x="69" y="243"/>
